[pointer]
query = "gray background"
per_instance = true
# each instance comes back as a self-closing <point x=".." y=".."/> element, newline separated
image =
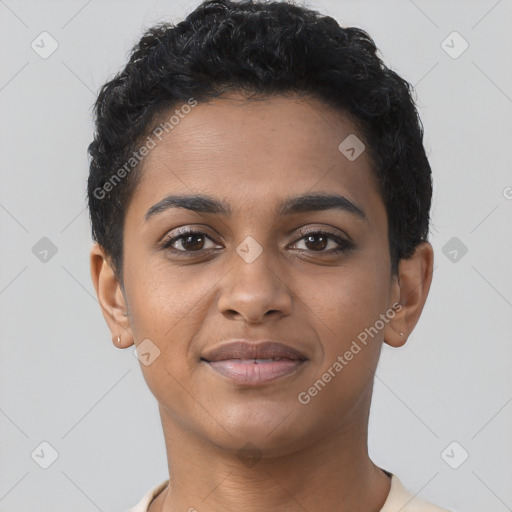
<point x="62" y="380"/>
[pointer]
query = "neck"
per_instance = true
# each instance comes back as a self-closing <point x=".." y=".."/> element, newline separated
<point x="333" y="473"/>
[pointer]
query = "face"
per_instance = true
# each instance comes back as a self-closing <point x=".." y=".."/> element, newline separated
<point x="266" y="264"/>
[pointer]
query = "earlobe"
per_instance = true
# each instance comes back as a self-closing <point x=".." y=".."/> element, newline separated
<point x="395" y="332"/>
<point x="110" y="297"/>
<point x="414" y="279"/>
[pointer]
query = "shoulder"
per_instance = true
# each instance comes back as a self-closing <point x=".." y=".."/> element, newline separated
<point x="143" y="504"/>
<point x="401" y="500"/>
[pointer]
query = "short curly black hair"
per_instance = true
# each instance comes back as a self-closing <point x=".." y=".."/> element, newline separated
<point x="261" y="48"/>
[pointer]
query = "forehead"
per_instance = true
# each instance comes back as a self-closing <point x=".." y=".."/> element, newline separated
<point x="254" y="151"/>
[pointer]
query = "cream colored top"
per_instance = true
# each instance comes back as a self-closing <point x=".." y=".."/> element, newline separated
<point x="399" y="499"/>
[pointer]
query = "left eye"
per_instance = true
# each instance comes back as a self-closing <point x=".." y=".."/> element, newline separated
<point x="320" y="241"/>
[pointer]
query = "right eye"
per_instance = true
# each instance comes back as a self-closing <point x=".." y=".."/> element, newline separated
<point x="191" y="241"/>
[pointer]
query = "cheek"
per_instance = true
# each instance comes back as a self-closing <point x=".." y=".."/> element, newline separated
<point x="345" y="309"/>
<point x="163" y="300"/>
<point x="347" y="301"/>
<point x="167" y="308"/>
<point x="341" y="313"/>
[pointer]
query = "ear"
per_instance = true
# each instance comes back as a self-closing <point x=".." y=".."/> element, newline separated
<point x="111" y="298"/>
<point x="410" y="291"/>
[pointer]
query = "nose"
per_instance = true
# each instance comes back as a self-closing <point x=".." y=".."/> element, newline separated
<point x="254" y="291"/>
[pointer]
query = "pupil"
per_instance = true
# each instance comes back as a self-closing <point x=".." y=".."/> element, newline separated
<point x="312" y="237"/>
<point x="193" y="247"/>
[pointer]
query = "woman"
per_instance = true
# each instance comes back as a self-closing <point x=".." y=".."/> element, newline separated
<point x="259" y="196"/>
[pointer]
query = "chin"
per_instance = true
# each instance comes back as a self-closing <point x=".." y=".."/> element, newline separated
<point x="270" y="430"/>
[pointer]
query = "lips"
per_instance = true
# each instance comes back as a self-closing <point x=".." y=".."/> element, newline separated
<point x="247" y="350"/>
<point x="254" y="363"/>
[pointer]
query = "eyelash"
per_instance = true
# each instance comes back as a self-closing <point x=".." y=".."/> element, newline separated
<point x="345" y="245"/>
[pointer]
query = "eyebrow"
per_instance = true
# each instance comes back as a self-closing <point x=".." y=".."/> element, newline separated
<point x="299" y="204"/>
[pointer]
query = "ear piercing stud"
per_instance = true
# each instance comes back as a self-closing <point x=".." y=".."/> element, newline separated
<point x="119" y="340"/>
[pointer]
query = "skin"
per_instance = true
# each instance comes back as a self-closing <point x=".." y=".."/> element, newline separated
<point x="253" y="155"/>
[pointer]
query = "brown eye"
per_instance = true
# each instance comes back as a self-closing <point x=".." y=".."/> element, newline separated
<point x="188" y="241"/>
<point x="192" y="242"/>
<point x="318" y="241"/>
